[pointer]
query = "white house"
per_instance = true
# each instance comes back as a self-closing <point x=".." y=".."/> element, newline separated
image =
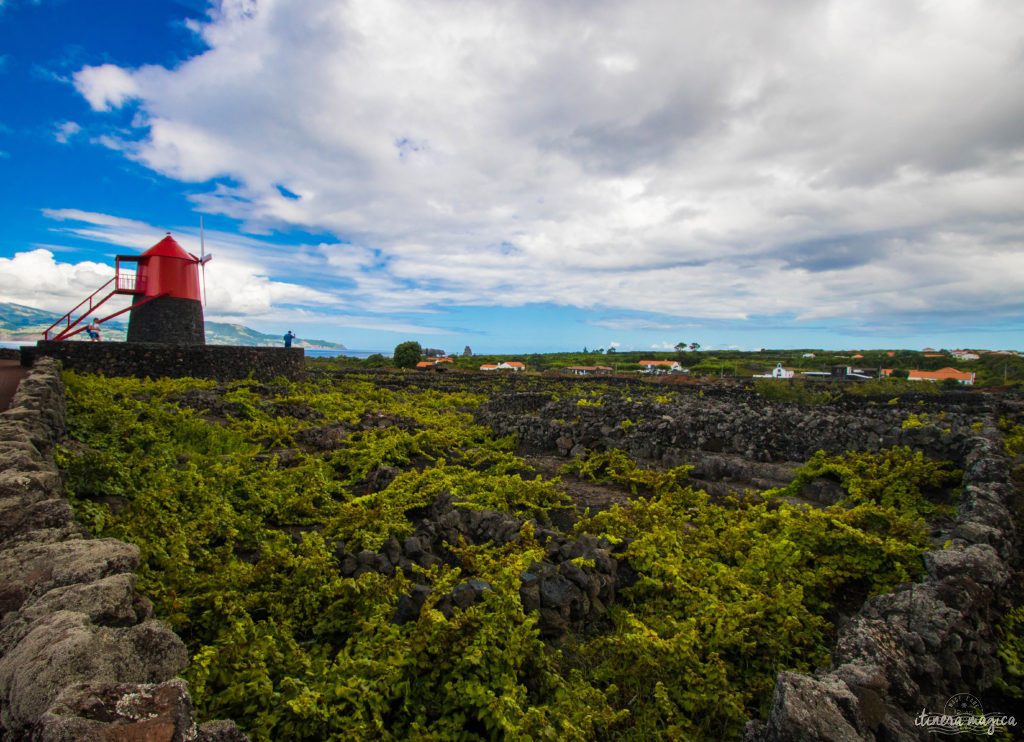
<point x="660" y="366"/>
<point x="588" y="370"/>
<point x="965" y="355"/>
<point x="777" y="373"/>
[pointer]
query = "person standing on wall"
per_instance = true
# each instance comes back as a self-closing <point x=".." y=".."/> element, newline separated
<point x="289" y="336"/>
<point x="93" y="330"/>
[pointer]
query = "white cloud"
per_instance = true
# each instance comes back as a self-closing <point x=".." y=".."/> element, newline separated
<point x="65" y="130"/>
<point x="36" y="279"/>
<point x="106" y="86"/>
<point x="820" y="160"/>
<point x="91" y="217"/>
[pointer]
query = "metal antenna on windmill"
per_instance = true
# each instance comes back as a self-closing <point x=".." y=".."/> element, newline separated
<point x="203" y="257"/>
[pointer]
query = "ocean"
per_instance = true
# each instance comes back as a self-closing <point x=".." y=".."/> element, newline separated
<point x="314" y="353"/>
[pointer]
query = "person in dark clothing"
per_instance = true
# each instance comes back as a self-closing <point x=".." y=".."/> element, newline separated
<point x="289" y="336"/>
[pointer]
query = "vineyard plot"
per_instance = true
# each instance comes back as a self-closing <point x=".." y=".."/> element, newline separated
<point x="347" y="559"/>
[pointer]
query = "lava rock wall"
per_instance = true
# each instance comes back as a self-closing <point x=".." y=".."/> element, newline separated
<point x="571" y="587"/>
<point x="915" y="648"/>
<point x="220" y="362"/>
<point x="81" y="656"/>
<point x="740" y="424"/>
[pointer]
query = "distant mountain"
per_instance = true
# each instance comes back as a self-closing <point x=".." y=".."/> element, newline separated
<point x="21" y="323"/>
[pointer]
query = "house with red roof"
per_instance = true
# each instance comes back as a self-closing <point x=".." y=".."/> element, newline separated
<point x="504" y="366"/>
<point x="965" y="355"/>
<point x="962" y="377"/>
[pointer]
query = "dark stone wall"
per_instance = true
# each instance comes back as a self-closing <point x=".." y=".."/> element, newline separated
<point x="911" y="650"/>
<point x="81" y="655"/>
<point x="220" y="362"/>
<point x="167" y="319"/>
<point x="739" y="423"/>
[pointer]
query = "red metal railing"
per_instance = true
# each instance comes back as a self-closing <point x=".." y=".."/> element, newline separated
<point x="124" y="283"/>
<point x="127" y="283"/>
<point x="66" y="331"/>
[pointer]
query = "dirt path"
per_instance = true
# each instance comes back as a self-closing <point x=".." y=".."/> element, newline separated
<point x="11" y="374"/>
<point x="597" y="496"/>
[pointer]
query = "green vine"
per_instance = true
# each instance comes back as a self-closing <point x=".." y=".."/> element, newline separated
<point x="238" y="525"/>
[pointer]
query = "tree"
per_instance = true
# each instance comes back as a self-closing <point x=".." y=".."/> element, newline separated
<point x="467" y="351"/>
<point x="680" y="346"/>
<point x="694" y="346"/>
<point x="407" y="354"/>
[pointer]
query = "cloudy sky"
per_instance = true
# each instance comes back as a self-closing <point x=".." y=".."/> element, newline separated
<point x="521" y="175"/>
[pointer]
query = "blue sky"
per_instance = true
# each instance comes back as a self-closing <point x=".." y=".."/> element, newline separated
<point x="525" y="176"/>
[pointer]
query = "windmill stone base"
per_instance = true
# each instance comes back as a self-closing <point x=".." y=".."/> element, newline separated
<point x="169" y="320"/>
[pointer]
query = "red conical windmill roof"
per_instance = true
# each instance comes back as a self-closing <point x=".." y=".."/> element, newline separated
<point x="168" y="248"/>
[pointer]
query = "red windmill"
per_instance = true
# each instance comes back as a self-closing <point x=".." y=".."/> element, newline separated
<point x="168" y="309"/>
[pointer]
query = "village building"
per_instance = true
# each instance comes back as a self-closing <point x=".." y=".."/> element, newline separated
<point x="962" y="377"/>
<point x="965" y="355"/>
<point x="504" y="366"/>
<point x="588" y="370"/>
<point x="651" y="367"/>
<point x="777" y="373"/>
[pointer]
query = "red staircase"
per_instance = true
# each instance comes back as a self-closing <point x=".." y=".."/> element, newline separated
<point x="124" y="282"/>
